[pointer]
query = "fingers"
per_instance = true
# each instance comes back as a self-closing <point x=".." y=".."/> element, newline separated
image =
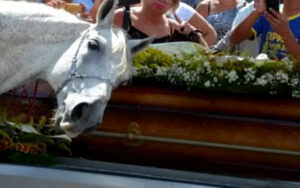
<point x="274" y="25"/>
<point x="275" y="13"/>
<point x="272" y="19"/>
<point x="187" y="27"/>
<point x="56" y="3"/>
<point x="260" y="5"/>
<point x="60" y="4"/>
<point x="89" y="19"/>
<point x="279" y="23"/>
<point x="278" y="15"/>
<point x="86" y="17"/>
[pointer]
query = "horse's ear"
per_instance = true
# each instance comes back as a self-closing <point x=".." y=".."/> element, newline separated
<point x="136" y="45"/>
<point x="105" y="12"/>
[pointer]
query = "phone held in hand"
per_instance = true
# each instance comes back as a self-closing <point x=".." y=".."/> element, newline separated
<point x="274" y="4"/>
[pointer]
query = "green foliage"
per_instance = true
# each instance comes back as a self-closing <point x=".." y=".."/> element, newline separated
<point x="3" y="115"/>
<point x="152" y="57"/>
<point x="27" y="143"/>
<point x="41" y="123"/>
<point x="205" y="69"/>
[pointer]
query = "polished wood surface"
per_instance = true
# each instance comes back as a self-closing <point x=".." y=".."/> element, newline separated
<point x="246" y="105"/>
<point x="262" y="122"/>
<point x="197" y="116"/>
<point x="196" y="127"/>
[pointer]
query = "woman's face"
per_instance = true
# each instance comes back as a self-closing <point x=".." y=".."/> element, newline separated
<point x="159" y="6"/>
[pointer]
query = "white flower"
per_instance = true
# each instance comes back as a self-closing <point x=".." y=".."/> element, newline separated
<point x="248" y="77"/>
<point x="262" y="57"/>
<point x="206" y="64"/>
<point x="250" y="74"/>
<point x="207" y="83"/>
<point x="250" y="70"/>
<point x="159" y="71"/>
<point x="268" y="77"/>
<point x="186" y="76"/>
<point x="135" y="71"/>
<point x="282" y="77"/>
<point x="232" y="76"/>
<point x="251" y="59"/>
<point x="261" y="82"/>
<point x="233" y="58"/>
<point x="294" y="82"/>
<point x="289" y="64"/>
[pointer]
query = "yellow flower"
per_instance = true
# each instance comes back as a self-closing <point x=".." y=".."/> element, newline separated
<point x="30" y="148"/>
<point x="6" y="143"/>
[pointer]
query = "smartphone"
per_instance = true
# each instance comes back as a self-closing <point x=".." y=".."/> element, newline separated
<point x="128" y="2"/>
<point x="274" y="4"/>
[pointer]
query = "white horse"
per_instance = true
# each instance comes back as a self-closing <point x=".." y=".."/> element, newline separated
<point x="83" y="62"/>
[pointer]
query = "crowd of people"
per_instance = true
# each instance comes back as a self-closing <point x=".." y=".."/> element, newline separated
<point x="219" y="24"/>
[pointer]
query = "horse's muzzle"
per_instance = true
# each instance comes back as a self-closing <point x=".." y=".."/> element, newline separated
<point x="79" y="111"/>
<point x="82" y="118"/>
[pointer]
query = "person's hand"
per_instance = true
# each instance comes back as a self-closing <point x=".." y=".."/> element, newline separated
<point x="279" y="23"/>
<point x="55" y="3"/>
<point x="194" y="34"/>
<point x="260" y="6"/>
<point x="186" y="27"/>
<point x="87" y="17"/>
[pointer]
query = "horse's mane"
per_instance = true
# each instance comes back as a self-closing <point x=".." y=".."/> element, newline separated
<point x="22" y="22"/>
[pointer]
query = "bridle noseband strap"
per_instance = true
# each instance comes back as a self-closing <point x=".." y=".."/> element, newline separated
<point x="73" y="71"/>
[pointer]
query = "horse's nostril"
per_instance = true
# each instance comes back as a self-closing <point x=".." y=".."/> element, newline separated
<point x="78" y="111"/>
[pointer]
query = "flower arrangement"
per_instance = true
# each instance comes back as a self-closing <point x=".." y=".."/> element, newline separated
<point x="200" y="68"/>
<point x="30" y="143"/>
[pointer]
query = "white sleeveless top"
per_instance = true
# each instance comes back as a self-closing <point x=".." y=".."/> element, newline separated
<point x="184" y="12"/>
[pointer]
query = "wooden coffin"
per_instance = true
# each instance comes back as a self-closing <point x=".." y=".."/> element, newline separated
<point x="163" y="126"/>
<point x="167" y="127"/>
<point x="160" y="125"/>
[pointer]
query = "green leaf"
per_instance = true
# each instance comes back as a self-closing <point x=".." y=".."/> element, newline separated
<point x="41" y="123"/>
<point x="193" y="69"/>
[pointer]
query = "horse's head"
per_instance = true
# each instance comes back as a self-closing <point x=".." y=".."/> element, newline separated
<point x="101" y="61"/>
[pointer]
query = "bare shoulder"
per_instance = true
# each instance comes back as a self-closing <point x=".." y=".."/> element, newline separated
<point x="202" y="7"/>
<point x="204" y="3"/>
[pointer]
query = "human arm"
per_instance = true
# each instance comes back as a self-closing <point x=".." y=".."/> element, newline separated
<point x="202" y="8"/>
<point x="242" y="14"/>
<point x="118" y="17"/>
<point x="280" y="25"/>
<point x="55" y="3"/>
<point x="208" y="32"/>
<point x="118" y="14"/>
<point x="243" y="30"/>
<point x="94" y="9"/>
<point x="184" y="31"/>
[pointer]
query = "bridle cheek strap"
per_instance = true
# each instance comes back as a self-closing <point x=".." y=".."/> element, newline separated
<point x="73" y="71"/>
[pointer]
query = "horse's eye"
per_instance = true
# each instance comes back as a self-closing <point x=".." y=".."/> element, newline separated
<point x="94" y="45"/>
